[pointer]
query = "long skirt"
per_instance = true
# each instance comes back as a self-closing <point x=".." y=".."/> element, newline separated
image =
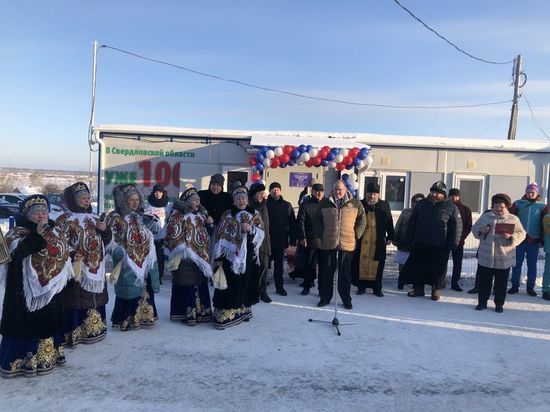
<point x="190" y="304"/>
<point x="85" y="325"/>
<point x="425" y="266"/>
<point x="30" y="357"/>
<point x="135" y="313"/>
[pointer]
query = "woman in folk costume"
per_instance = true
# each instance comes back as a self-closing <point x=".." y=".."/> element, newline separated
<point x="32" y="315"/>
<point x="135" y="264"/>
<point x="85" y="296"/>
<point x="237" y="242"/>
<point x="188" y="242"/>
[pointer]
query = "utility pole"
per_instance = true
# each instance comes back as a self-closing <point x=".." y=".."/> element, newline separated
<point x="514" y="112"/>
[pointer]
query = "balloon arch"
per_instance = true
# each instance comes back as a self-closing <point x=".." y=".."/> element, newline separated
<point x="341" y="159"/>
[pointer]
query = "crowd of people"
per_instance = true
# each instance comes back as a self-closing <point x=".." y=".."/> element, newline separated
<point x="56" y="277"/>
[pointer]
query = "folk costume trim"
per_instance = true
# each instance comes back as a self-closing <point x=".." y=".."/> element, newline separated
<point x="79" y="230"/>
<point x="231" y="239"/>
<point x="136" y="242"/>
<point x="46" y="272"/>
<point x="187" y="238"/>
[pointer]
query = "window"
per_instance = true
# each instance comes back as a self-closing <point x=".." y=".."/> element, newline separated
<point x="393" y="188"/>
<point x="233" y="176"/>
<point x="471" y="191"/>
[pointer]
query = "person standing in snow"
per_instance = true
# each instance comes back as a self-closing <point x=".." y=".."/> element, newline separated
<point x="458" y="253"/>
<point x="214" y="199"/>
<point x="188" y="243"/>
<point x="159" y="205"/>
<point x="497" y="250"/>
<point x="546" y="241"/>
<point x="528" y="209"/>
<point x="134" y="258"/>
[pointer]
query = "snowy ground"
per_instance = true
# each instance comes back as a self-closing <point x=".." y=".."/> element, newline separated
<point x="403" y="354"/>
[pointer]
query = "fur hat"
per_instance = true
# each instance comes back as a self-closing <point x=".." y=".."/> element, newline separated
<point x="274" y="185"/>
<point x="121" y="193"/>
<point x="32" y="203"/>
<point x="217" y="179"/>
<point x="256" y="188"/>
<point x="502" y="198"/>
<point x="188" y="193"/>
<point x="439" y="187"/>
<point x="373" y="187"/>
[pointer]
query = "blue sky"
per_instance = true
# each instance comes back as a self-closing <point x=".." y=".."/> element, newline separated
<point x="367" y="51"/>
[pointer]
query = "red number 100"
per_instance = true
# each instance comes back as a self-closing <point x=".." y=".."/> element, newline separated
<point x="163" y="173"/>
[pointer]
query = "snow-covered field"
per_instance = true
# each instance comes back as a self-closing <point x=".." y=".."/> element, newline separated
<point x="403" y="354"/>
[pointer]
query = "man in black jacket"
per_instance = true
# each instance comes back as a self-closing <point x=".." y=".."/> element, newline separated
<point x="309" y="231"/>
<point x="256" y="199"/>
<point x="436" y="228"/>
<point x="371" y="253"/>
<point x="282" y="227"/>
<point x="214" y="199"/>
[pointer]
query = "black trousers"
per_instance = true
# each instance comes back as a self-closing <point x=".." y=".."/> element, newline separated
<point x="328" y="261"/>
<point x="458" y="254"/>
<point x="159" y="249"/>
<point x="311" y="259"/>
<point x="278" y="256"/>
<point x="485" y="278"/>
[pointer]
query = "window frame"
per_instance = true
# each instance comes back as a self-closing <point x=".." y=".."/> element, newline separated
<point x="458" y="177"/>
<point x="382" y="180"/>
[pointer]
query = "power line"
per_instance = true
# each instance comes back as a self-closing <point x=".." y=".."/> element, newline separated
<point x="534" y="118"/>
<point x="304" y="96"/>
<point x="446" y="40"/>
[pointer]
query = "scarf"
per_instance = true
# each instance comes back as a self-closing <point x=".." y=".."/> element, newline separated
<point x="80" y="234"/>
<point x="46" y="272"/>
<point x="230" y="239"/>
<point x="136" y="242"/>
<point x="162" y="202"/>
<point x="187" y="238"/>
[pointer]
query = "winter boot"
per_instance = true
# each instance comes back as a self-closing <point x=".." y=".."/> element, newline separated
<point x="531" y="292"/>
<point x="513" y="290"/>
<point x="546" y="295"/>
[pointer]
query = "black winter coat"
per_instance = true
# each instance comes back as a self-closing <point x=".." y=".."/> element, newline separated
<point x="216" y="205"/>
<point x="309" y="224"/>
<point x="436" y="224"/>
<point x="282" y="223"/>
<point x="17" y="321"/>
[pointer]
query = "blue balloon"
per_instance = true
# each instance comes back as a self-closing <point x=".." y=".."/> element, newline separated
<point x="260" y="157"/>
<point x="356" y="161"/>
<point x="308" y="148"/>
<point x="363" y="153"/>
<point x="259" y="167"/>
<point x="349" y="167"/>
<point x="295" y="154"/>
<point x="264" y="149"/>
<point x="324" y="162"/>
<point x="335" y="150"/>
<point x="302" y="148"/>
<point x="291" y="162"/>
<point x="345" y="178"/>
<point x="283" y="165"/>
<point x="353" y="193"/>
<point x="330" y="157"/>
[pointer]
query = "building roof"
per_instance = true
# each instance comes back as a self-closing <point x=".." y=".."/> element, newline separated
<point x="333" y="139"/>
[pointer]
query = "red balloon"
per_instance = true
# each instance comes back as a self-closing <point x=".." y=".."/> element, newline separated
<point x="309" y="163"/>
<point x="285" y="158"/>
<point x="252" y="161"/>
<point x="354" y="152"/>
<point x="275" y="163"/>
<point x="255" y="177"/>
<point x="316" y="161"/>
<point x="340" y="166"/>
<point x="347" y="160"/>
<point x="287" y="149"/>
<point x="322" y="154"/>
<point x="326" y="149"/>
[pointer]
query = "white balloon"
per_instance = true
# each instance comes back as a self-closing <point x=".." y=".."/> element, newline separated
<point x="344" y="152"/>
<point x="278" y="151"/>
<point x="270" y="154"/>
<point x="355" y="185"/>
<point x="332" y="164"/>
<point x="339" y="158"/>
<point x="300" y="162"/>
<point x="369" y="160"/>
<point x="305" y="157"/>
<point x="353" y="177"/>
<point x="362" y="164"/>
<point x="267" y="162"/>
<point x="313" y="152"/>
